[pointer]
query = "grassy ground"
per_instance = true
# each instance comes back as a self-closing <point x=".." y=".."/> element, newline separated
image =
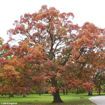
<point x="46" y="99"/>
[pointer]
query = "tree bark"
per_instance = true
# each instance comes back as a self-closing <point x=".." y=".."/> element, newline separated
<point x="24" y="95"/>
<point x="63" y="91"/>
<point x="11" y="95"/>
<point x="66" y="91"/>
<point x="56" y="95"/>
<point x="77" y="91"/>
<point x="99" y="90"/>
<point x="89" y="93"/>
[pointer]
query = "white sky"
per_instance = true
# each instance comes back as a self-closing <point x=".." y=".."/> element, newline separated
<point x="84" y="10"/>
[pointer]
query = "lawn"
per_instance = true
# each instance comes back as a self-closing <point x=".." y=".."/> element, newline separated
<point x="46" y="99"/>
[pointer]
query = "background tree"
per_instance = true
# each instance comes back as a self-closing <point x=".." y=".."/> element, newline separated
<point x="88" y="53"/>
<point x="99" y="80"/>
<point x="88" y="86"/>
<point x="19" y="72"/>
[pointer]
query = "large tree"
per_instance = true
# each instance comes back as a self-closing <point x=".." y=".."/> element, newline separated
<point x="55" y="50"/>
<point x="55" y="32"/>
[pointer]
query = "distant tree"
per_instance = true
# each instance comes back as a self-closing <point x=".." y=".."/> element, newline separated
<point x="17" y="76"/>
<point x="88" y="53"/>
<point x="99" y="80"/>
<point x="88" y="86"/>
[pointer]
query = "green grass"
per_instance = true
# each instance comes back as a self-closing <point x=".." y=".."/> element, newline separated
<point x="46" y="99"/>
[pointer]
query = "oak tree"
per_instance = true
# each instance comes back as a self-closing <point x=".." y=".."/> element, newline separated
<point x="55" y="32"/>
<point x="54" y="51"/>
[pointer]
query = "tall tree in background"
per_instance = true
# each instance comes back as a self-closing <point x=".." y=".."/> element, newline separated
<point x="88" y="52"/>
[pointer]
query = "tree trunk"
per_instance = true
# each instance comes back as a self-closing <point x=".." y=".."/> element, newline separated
<point x="63" y="91"/>
<point x="66" y="91"/>
<point x="11" y="95"/>
<point x="24" y="95"/>
<point x="56" y="95"/>
<point x="99" y="90"/>
<point x="89" y="93"/>
<point x="77" y="91"/>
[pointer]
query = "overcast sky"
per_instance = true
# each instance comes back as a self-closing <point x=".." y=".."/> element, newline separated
<point x="84" y="10"/>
